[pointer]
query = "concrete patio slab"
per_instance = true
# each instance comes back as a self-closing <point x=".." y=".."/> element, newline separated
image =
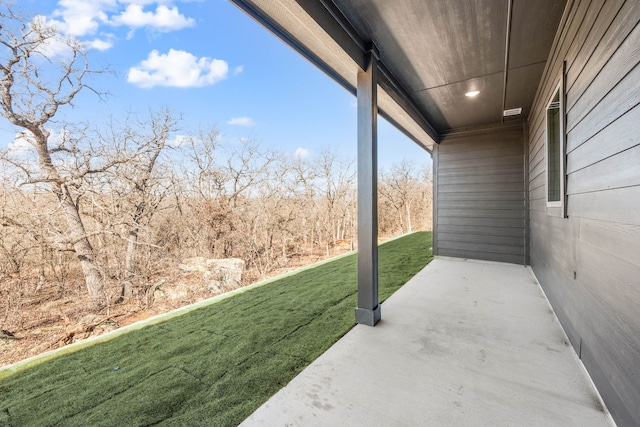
<point x="464" y="343"/>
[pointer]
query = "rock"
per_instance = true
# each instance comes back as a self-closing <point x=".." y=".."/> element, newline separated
<point x="172" y="291"/>
<point x="223" y="274"/>
<point x="217" y="276"/>
<point x="198" y="263"/>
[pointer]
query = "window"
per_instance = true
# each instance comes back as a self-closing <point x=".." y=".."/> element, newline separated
<point x="555" y="153"/>
<point x="553" y="149"/>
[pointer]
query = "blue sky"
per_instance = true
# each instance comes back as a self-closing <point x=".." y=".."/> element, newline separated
<point x="213" y="64"/>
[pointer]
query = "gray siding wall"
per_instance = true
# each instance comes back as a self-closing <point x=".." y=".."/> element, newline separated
<point x="480" y="207"/>
<point x="589" y="263"/>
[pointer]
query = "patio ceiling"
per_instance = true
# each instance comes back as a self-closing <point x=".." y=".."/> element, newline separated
<point x="431" y="53"/>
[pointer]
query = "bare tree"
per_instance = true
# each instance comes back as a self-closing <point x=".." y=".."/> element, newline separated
<point x="145" y="204"/>
<point x="133" y="185"/>
<point x="12" y="248"/>
<point x="405" y="192"/>
<point x="42" y="71"/>
<point x="227" y="177"/>
<point x="301" y="184"/>
<point x="335" y="179"/>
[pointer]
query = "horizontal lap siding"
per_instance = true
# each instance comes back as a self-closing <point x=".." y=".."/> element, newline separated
<point x="589" y="263"/>
<point x="481" y="207"/>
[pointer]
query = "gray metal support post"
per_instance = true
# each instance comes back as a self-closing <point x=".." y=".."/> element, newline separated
<point x="368" y="310"/>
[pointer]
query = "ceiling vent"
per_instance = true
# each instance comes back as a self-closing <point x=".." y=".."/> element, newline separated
<point x="512" y="112"/>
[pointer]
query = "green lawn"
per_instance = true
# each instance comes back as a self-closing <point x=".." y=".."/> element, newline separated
<point x="211" y="366"/>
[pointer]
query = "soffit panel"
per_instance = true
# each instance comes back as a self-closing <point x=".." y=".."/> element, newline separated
<point x="448" y="111"/>
<point x="430" y="43"/>
<point x="434" y="50"/>
<point x="522" y="85"/>
<point x="533" y="27"/>
<point x="310" y="35"/>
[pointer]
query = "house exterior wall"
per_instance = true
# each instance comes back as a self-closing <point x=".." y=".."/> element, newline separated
<point x="480" y="206"/>
<point x="589" y="262"/>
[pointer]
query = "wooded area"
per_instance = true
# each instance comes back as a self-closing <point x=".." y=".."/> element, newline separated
<point x="150" y="202"/>
<point x="101" y="213"/>
<point x="162" y="202"/>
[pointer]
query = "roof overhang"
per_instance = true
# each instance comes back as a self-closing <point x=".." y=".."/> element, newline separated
<point x="431" y="53"/>
<point x="327" y="40"/>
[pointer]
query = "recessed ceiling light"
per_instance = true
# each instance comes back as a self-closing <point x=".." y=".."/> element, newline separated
<point x="472" y="93"/>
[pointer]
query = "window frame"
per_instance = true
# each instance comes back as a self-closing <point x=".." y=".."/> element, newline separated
<point x="557" y="208"/>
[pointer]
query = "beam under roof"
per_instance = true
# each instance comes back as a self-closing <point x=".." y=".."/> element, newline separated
<point x="318" y="31"/>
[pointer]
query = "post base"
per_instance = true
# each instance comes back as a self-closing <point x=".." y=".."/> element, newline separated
<point x="368" y="317"/>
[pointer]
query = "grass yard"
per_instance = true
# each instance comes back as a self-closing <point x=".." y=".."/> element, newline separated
<point x="211" y="366"/>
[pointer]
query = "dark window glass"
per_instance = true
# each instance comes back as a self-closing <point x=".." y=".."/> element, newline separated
<point x="553" y="149"/>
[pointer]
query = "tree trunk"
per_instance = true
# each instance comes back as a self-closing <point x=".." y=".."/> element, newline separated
<point x="132" y="249"/>
<point x="81" y="245"/>
<point x="41" y="274"/>
<point x="129" y="265"/>
<point x="14" y="267"/>
<point x="29" y="101"/>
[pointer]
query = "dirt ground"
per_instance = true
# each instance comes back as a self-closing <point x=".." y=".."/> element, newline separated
<point x="35" y="318"/>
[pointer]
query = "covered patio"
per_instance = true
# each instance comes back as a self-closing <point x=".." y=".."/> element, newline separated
<point x="530" y="110"/>
<point x="463" y="343"/>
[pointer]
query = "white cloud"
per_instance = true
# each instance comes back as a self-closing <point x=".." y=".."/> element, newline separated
<point x="20" y="144"/>
<point x="66" y="37"/>
<point x="241" y="121"/>
<point x="179" y="140"/>
<point x="148" y="2"/>
<point x="99" y="44"/>
<point x="164" y="19"/>
<point x="85" y="18"/>
<point x="177" y="68"/>
<point x="82" y="17"/>
<point x="239" y="69"/>
<point x="58" y="45"/>
<point x="301" y="153"/>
